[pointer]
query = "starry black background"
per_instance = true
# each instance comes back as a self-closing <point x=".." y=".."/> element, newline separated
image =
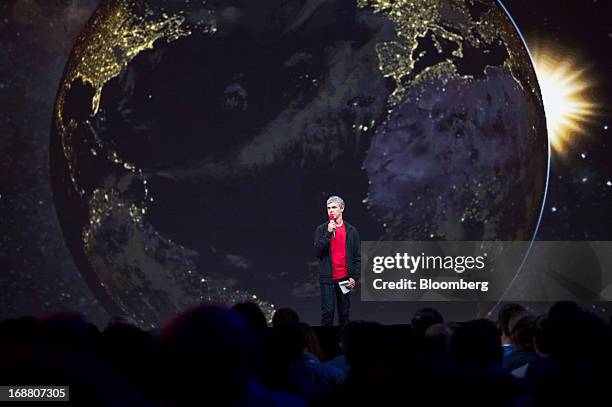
<point x="37" y="273"/>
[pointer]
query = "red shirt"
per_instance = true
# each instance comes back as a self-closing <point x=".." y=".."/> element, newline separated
<point x="338" y="253"/>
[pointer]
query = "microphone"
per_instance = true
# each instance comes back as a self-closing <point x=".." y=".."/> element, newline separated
<point x="332" y="217"/>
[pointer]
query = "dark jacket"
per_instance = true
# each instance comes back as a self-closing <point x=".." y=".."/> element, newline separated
<point x="353" y="252"/>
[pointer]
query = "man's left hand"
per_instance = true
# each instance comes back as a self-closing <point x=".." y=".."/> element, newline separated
<point x="351" y="283"/>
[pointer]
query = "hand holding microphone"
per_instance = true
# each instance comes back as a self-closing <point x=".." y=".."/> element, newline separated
<point x="331" y="227"/>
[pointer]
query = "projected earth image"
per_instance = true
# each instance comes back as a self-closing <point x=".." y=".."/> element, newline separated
<point x="194" y="143"/>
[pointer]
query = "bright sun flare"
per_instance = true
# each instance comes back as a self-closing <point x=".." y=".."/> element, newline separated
<point x="564" y="91"/>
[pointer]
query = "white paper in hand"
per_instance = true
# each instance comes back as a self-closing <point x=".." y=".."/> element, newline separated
<point x="344" y="286"/>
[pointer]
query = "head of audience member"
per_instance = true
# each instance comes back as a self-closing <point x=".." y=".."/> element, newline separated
<point x="204" y="358"/>
<point x="283" y="347"/>
<point x="284" y="315"/>
<point x="345" y="332"/>
<point x="128" y="349"/>
<point x="253" y="315"/>
<point x="564" y="323"/>
<point x="68" y="331"/>
<point x="368" y="352"/>
<point x="522" y="328"/>
<point x="423" y="319"/>
<point x="576" y="333"/>
<point x="476" y="345"/>
<point x="311" y="341"/>
<point x="289" y="340"/>
<point x="505" y="314"/>
<point x="541" y="336"/>
<point x="437" y="338"/>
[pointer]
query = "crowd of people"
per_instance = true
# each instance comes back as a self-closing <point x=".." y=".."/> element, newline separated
<point x="215" y="356"/>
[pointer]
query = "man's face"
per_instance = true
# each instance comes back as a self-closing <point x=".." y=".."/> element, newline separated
<point x="335" y="209"/>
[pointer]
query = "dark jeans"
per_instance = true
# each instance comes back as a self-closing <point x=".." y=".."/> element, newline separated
<point x="331" y="294"/>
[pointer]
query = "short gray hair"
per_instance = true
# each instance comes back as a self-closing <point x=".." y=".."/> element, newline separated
<point x="336" y="199"/>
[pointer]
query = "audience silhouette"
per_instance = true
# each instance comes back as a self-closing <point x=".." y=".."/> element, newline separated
<point x="214" y="356"/>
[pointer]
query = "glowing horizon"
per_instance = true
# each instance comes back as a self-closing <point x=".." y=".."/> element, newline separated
<point x="564" y="86"/>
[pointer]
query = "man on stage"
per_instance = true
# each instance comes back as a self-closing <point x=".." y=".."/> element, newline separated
<point x="337" y="246"/>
